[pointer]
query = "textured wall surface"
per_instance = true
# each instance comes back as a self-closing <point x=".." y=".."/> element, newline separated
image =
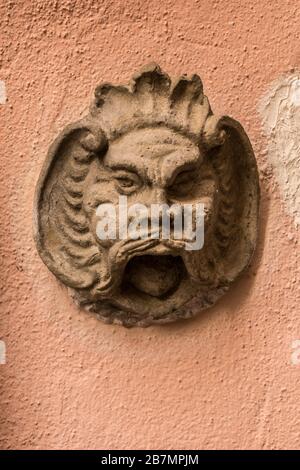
<point x="225" y="379"/>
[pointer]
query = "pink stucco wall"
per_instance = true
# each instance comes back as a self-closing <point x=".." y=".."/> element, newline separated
<point x="222" y="380"/>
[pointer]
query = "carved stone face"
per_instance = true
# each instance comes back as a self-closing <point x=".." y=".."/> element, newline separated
<point x="149" y="166"/>
<point x="151" y="158"/>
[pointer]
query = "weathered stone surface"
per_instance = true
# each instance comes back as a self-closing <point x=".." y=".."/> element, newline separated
<point x="155" y="141"/>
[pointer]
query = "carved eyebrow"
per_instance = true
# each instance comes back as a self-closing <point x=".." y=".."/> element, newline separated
<point x="129" y="168"/>
<point x="163" y="153"/>
<point x="190" y="167"/>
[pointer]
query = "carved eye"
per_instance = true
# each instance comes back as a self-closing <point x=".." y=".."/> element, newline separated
<point x="127" y="182"/>
<point x="183" y="183"/>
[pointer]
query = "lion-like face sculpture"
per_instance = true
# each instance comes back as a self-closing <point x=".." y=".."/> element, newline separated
<point x="148" y="166"/>
<point x="151" y="143"/>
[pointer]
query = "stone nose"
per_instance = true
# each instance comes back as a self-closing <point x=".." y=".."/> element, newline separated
<point x="151" y="195"/>
<point x="152" y="210"/>
<point x="158" y="196"/>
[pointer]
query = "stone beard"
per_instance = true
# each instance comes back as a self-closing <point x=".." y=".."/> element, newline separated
<point x="155" y="142"/>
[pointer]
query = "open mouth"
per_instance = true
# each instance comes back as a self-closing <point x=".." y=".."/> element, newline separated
<point x="154" y="275"/>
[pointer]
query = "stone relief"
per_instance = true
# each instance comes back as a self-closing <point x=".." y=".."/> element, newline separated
<point x="153" y="141"/>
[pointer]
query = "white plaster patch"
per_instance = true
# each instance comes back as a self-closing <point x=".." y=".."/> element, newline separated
<point x="280" y="111"/>
<point x="2" y="92"/>
<point x="295" y="357"/>
<point x="2" y="352"/>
